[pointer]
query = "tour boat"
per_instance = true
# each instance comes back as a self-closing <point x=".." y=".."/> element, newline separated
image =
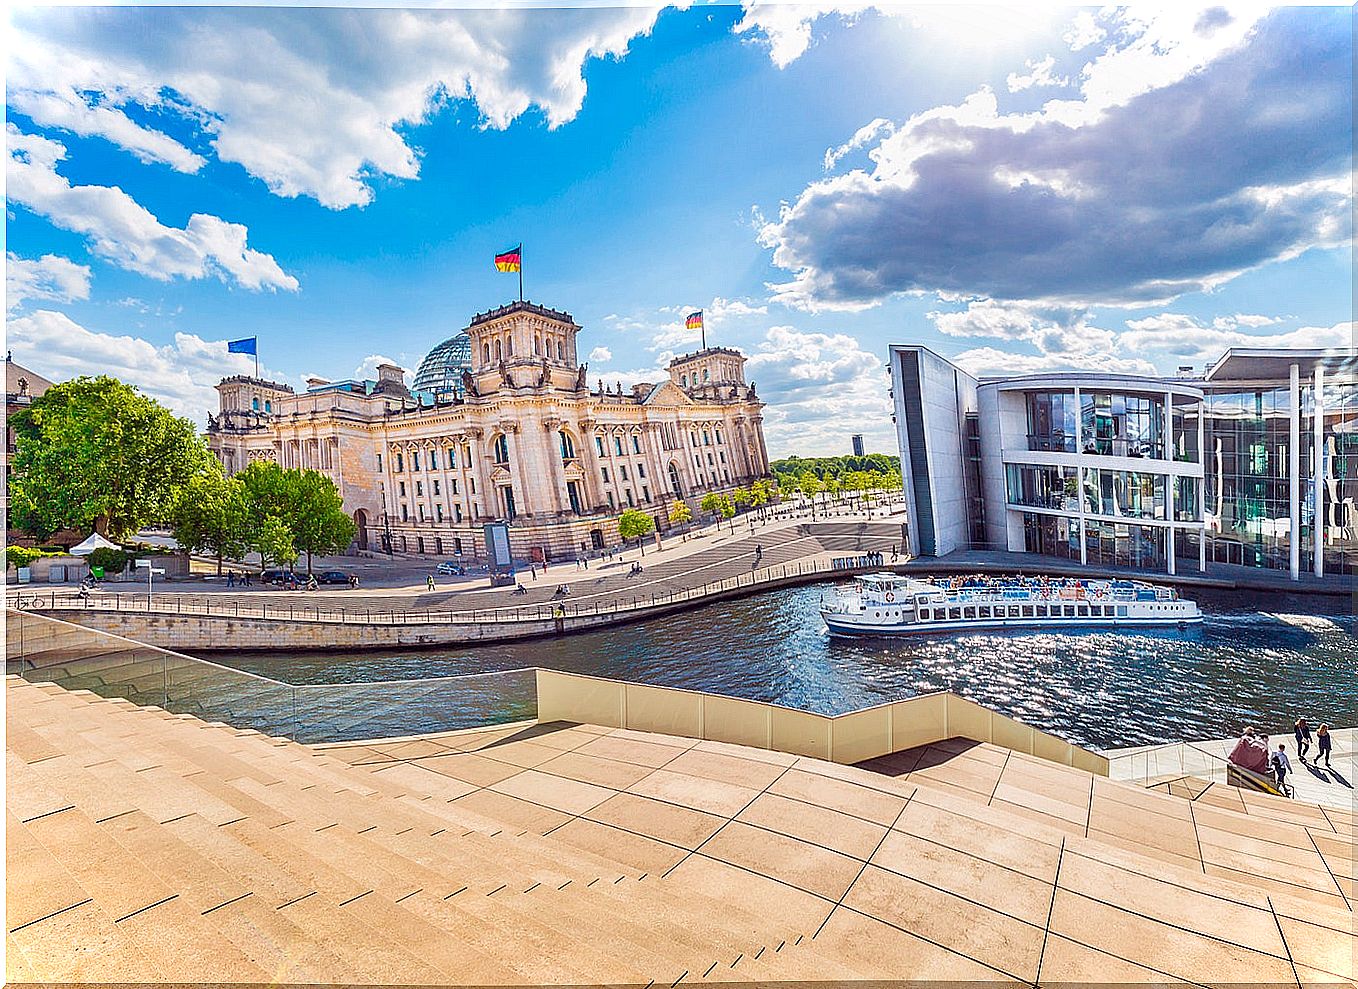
<point x="888" y="604"/>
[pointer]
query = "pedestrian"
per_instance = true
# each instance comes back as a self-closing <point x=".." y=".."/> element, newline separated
<point x="429" y="582"/>
<point x="1323" y="744"/>
<point x="230" y="579"/>
<point x="1302" y="731"/>
<point x="1281" y="767"/>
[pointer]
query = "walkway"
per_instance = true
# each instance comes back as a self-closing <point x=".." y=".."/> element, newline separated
<point x="1206" y="761"/>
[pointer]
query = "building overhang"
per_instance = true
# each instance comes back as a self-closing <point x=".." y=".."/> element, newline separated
<point x="1275" y="363"/>
<point x="1181" y="389"/>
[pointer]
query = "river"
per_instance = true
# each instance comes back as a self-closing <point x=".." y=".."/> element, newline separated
<point x="1260" y="662"/>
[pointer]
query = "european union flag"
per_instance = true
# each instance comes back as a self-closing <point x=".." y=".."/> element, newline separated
<point x="246" y="346"/>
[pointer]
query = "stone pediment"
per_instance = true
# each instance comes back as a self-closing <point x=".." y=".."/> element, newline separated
<point x="499" y="475"/>
<point x="667" y="393"/>
<point x="573" y="471"/>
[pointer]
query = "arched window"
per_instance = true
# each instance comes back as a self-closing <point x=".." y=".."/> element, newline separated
<point x="486" y="347"/>
<point x="499" y="351"/>
<point x="500" y="449"/>
<point x="254" y="404"/>
<point x="675" y="486"/>
<point x="706" y="376"/>
<point x="268" y="405"/>
<point x="537" y="343"/>
<point x="567" y="446"/>
<point x="683" y="381"/>
<point x="509" y="346"/>
<point x="560" y="351"/>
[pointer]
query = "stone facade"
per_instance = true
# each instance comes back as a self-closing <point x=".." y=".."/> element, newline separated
<point x="529" y="441"/>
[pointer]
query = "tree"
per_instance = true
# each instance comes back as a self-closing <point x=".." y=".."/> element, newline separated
<point x="740" y="497"/>
<point x="759" y="495"/>
<point x="635" y="524"/>
<point x="212" y="515"/>
<point x="272" y="539"/>
<point x="719" y="505"/>
<point x="96" y="453"/>
<point x="681" y="514"/>
<point x="305" y="501"/>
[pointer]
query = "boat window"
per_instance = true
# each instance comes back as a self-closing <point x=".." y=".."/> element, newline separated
<point x="1083" y="611"/>
<point x="955" y="613"/>
<point x="1013" y="611"/>
<point x="986" y="612"/>
<point x="1070" y="611"/>
<point x="1027" y="611"/>
<point x="1122" y="611"/>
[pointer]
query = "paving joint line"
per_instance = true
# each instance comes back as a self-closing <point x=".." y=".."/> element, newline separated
<point x="54" y="913"/>
<point x="148" y="906"/>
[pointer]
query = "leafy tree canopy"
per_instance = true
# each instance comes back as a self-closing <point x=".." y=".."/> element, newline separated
<point x="791" y="468"/>
<point x="212" y="515"/>
<point x="95" y="453"/>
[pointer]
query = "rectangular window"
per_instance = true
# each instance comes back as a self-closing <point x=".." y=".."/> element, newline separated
<point x="379" y="463"/>
<point x="452" y="458"/>
<point x="617" y="445"/>
<point x="457" y="543"/>
<point x="605" y="472"/>
<point x="622" y="472"/>
<point x="405" y="514"/>
<point x="402" y="486"/>
<point x="452" y="489"/>
<point x="599" y="443"/>
<point x="419" y="489"/>
<point x="718" y="437"/>
<point x="610" y="499"/>
<point x="646" y="494"/>
<point x="641" y="471"/>
<point x="636" y="443"/>
<point x="400" y="464"/>
<point x="457" y="513"/>
<point x="415" y="460"/>
<point x="436" y="487"/>
<point x="421" y="513"/>
<point x="629" y="497"/>
<point x="438" y="512"/>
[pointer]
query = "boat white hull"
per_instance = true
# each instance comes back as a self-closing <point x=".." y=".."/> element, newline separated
<point x="840" y="624"/>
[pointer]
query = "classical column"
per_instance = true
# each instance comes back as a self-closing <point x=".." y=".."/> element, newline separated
<point x="1294" y="472"/>
<point x="550" y="427"/>
<point x="517" y="465"/>
<point x="1202" y="483"/>
<point x="484" y="494"/>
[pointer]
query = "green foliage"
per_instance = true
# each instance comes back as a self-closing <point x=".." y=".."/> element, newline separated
<point x="272" y="539"/>
<point x="211" y="515"/>
<point x="635" y="524"/>
<point x="761" y="492"/>
<point x="305" y="503"/>
<point x="23" y="556"/>
<point x="111" y="561"/>
<point x="793" y="469"/>
<point x="718" y="504"/>
<point x="95" y="453"/>
<point x="680" y="513"/>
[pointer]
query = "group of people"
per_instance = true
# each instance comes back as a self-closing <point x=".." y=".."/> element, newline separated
<point x="1251" y="752"/>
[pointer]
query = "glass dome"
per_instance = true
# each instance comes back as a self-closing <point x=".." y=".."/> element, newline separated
<point x="441" y="371"/>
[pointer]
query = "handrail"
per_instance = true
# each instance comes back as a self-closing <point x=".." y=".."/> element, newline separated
<point x="541" y="612"/>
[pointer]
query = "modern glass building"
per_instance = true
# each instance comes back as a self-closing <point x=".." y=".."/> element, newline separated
<point x="1253" y="463"/>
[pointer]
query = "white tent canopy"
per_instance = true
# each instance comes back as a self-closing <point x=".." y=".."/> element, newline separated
<point x="91" y="544"/>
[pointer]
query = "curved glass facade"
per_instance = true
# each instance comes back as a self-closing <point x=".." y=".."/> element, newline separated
<point x="441" y="370"/>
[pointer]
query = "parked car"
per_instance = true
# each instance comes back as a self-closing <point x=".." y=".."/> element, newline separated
<point x="276" y="576"/>
<point x="333" y="577"/>
<point x="450" y="569"/>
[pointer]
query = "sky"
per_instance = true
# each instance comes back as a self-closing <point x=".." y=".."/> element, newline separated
<point x="1017" y="188"/>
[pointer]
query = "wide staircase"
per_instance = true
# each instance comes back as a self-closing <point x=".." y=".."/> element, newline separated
<point x="144" y="846"/>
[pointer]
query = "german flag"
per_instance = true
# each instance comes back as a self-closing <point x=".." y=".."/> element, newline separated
<point x="510" y="260"/>
<point x="695" y="320"/>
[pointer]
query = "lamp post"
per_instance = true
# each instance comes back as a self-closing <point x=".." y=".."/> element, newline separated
<point x="149" y="571"/>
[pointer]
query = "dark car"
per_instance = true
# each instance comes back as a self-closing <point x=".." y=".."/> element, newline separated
<point x="277" y="576"/>
<point x="333" y="577"/>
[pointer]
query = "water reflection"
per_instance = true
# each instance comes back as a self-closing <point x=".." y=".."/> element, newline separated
<point x="1100" y="688"/>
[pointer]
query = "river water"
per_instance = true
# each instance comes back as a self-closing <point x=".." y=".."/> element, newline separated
<point x="1260" y="662"/>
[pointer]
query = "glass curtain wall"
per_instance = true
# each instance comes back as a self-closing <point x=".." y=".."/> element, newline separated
<point x="1051" y="421"/>
<point x="1125" y="493"/>
<point x="1112" y="544"/>
<point x="1043" y="487"/>
<point x="1340" y="474"/>
<point x="1051" y="535"/>
<point x="1246" y="488"/>
<point x="1120" y="425"/>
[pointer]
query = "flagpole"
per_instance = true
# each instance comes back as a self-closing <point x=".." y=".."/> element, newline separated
<point x="520" y="271"/>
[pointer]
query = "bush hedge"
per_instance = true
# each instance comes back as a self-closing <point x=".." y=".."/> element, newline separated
<point x="112" y="561"/>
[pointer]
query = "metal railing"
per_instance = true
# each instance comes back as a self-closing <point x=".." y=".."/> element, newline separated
<point x="47" y="650"/>
<point x="564" y="608"/>
<point x="1166" y="763"/>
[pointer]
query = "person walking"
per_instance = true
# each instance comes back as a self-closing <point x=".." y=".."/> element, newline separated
<point x="1302" y="731"/>
<point x="429" y="582"/>
<point x="1324" y="744"/>
<point x="1281" y="766"/>
<point x="230" y="579"/>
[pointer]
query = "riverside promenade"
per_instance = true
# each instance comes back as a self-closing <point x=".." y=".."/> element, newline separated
<point x="712" y="565"/>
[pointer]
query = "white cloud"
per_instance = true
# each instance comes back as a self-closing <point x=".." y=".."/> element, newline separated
<point x="314" y="102"/>
<point x="786" y="27"/>
<point x="49" y="278"/>
<point x="991" y="362"/>
<point x="1039" y="74"/>
<point x="968" y="201"/>
<point x="1083" y="32"/>
<point x="600" y="355"/>
<point x="367" y="368"/>
<point x="181" y="375"/>
<point x="126" y="233"/>
<point x="1188" y="340"/>
<point x="869" y="132"/>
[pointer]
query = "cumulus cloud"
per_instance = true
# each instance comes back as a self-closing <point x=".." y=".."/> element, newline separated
<point x="313" y="102"/>
<point x="1039" y="74"/>
<point x="182" y="374"/>
<point x="1083" y="32"/>
<point x="125" y="232"/>
<point x="367" y="368"/>
<point x="814" y="380"/>
<point x="600" y="355"/>
<point x="1191" y="341"/>
<point x="785" y="28"/>
<point x="49" y="278"/>
<point x="985" y="362"/>
<point x="1110" y="204"/>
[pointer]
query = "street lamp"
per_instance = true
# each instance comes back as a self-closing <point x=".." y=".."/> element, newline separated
<point x="149" y="571"/>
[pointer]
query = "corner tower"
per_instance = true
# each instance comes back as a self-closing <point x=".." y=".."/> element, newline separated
<point x="523" y="345"/>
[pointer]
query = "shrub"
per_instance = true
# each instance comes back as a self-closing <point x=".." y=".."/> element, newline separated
<point x="110" y="560"/>
<point x="22" y="556"/>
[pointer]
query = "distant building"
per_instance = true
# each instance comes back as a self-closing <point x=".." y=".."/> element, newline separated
<point x="21" y="387"/>
<point x="1254" y="462"/>
<point x="858" y="444"/>
<point x="503" y="424"/>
